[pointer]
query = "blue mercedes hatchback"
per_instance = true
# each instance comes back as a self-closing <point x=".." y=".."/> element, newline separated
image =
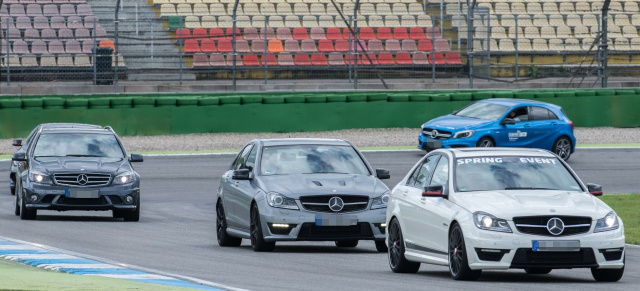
<point x="502" y="123"/>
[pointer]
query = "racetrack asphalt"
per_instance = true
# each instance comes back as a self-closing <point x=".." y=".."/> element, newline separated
<point x="176" y="234"/>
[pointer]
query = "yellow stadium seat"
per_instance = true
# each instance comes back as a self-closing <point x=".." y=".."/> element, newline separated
<point x="200" y="9"/>
<point x="367" y="9"/>
<point x="301" y="8"/>
<point x="513" y="32"/>
<point x="548" y="32"/>
<point x="498" y="32"/>
<point x="635" y="44"/>
<point x="572" y="44"/>
<point x="621" y="44"/>
<point x="193" y="1"/>
<point x="506" y="45"/>
<point x="401" y="8"/>
<point x="250" y="9"/>
<point x="178" y="1"/>
<point x="540" y="45"/>
<point x="596" y="7"/>
<point x="550" y="8"/>
<point x="310" y="21"/>
<point x="392" y="21"/>
<point x="502" y="8"/>
<point x="63" y="61"/>
<point x="556" y="20"/>
<point x="284" y="9"/>
<point x="29" y="61"/>
<point x="82" y="60"/>
<point x="276" y="21"/>
<point x="574" y="20"/>
<point x="376" y="21"/>
<point x="629" y="31"/>
<point x="258" y="21"/>
<point x="384" y="9"/>
<point x="208" y="21"/>
<point x="582" y="7"/>
<point x="410" y="21"/>
<point x="424" y="20"/>
<point x="635" y="19"/>
<point x="243" y="21"/>
<point x="589" y="20"/>
<point x="415" y="8"/>
<point x="48" y="61"/>
<point x="160" y="2"/>
<point x="225" y="21"/>
<point x="566" y="8"/>
<point x="167" y="10"/>
<point x="518" y="8"/>
<point x="556" y="44"/>
<point x="184" y="10"/>
<point x="581" y="32"/>
<point x="317" y="9"/>
<point x="217" y="9"/>
<point x="588" y="45"/>
<point x="531" y="32"/>
<point x="621" y="19"/>
<point x="326" y="21"/>
<point x="631" y="6"/>
<point x="540" y="21"/>
<point x="192" y="22"/>
<point x="563" y="31"/>
<point x="268" y="9"/>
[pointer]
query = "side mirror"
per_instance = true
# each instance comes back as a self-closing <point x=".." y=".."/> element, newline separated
<point x="136" y="158"/>
<point x="382" y="174"/>
<point x="433" y="191"/>
<point x="20" y="157"/>
<point x="508" y="121"/>
<point x="242" y="174"/>
<point x="16" y="143"/>
<point x="455" y="112"/>
<point x="594" y="189"/>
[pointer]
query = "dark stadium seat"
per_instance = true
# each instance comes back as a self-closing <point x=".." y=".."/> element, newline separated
<point x="375" y="45"/>
<point x="257" y="45"/>
<point x="242" y="46"/>
<point x="251" y="33"/>
<point x="283" y="33"/>
<point x="39" y="47"/>
<point x="392" y="45"/>
<point x="442" y="45"/>
<point x="317" y="33"/>
<point x="409" y="45"/>
<point x="270" y="33"/>
<point x="433" y="31"/>
<point x="217" y="60"/>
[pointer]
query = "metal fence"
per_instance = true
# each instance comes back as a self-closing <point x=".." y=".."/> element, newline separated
<point x="445" y="39"/>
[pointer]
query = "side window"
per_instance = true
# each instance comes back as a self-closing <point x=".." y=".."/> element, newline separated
<point x="251" y="160"/>
<point x="441" y="173"/>
<point x="519" y="114"/>
<point x="552" y="115"/>
<point x="241" y="158"/>
<point x="421" y="174"/>
<point x="539" y="113"/>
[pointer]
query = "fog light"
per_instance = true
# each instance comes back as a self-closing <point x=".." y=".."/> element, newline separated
<point x="283" y="225"/>
<point x="34" y="198"/>
<point x="383" y="225"/>
<point x="128" y="199"/>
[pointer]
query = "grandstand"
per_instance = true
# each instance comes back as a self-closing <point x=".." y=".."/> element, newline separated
<point x="399" y="36"/>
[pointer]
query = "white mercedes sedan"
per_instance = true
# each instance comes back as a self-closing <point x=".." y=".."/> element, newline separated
<point x="475" y="209"/>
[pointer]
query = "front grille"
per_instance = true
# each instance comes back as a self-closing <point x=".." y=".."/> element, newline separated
<point x="492" y="255"/>
<point x="74" y="179"/>
<point x="527" y="258"/>
<point x="537" y="225"/>
<point x="442" y="134"/>
<point x="310" y="231"/>
<point x="81" y="201"/>
<point x="612" y="254"/>
<point x="321" y="203"/>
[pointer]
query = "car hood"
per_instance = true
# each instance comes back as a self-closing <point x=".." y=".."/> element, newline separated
<point x="453" y="122"/>
<point x="294" y="186"/>
<point x="85" y="164"/>
<point x="509" y="203"/>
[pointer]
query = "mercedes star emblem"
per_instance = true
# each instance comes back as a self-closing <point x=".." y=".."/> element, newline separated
<point x="336" y="204"/>
<point x="83" y="179"/>
<point x="555" y="226"/>
<point x="434" y="133"/>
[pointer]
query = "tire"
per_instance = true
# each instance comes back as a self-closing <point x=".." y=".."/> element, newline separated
<point x="17" y="209"/>
<point x="13" y="190"/>
<point x="381" y="246"/>
<point x="347" y="243"/>
<point x="26" y="213"/>
<point x="538" y="271"/>
<point x="133" y="215"/>
<point x="257" y="238"/>
<point x="607" y="275"/>
<point x="117" y="213"/>
<point x="486" y="142"/>
<point x="397" y="261"/>
<point x="562" y="148"/>
<point x="458" y="262"/>
<point x="224" y="239"/>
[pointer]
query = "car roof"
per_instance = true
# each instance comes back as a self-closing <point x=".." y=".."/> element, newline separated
<point x="69" y="125"/>
<point x="516" y="102"/>
<point x="303" y="141"/>
<point x="489" y="152"/>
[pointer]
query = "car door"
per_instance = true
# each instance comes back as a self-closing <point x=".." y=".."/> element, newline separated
<point x="230" y="192"/>
<point x="436" y="212"/>
<point x="518" y="134"/>
<point x="544" y="127"/>
<point x="246" y="190"/>
<point x="410" y="196"/>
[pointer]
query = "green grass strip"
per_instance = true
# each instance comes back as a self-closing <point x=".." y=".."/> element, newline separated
<point x="626" y="206"/>
<point x="18" y="276"/>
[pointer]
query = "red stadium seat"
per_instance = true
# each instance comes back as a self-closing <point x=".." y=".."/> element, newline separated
<point x="251" y="60"/>
<point x="442" y="45"/>
<point x="208" y="46"/>
<point x="217" y="60"/>
<point x="385" y="59"/>
<point x="409" y="45"/>
<point x="251" y="33"/>
<point x="319" y="60"/>
<point x="403" y="58"/>
<point x="439" y="59"/>
<point x="270" y="33"/>
<point x="425" y="45"/>
<point x="238" y="61"/>
<point x="346" y="32"/>
<point x="362" y="47"/>
<point x="336" y="60"/>
<point x="200" y="60"/>
<point x="375" y="45"/>
<point x="392" y="45"/>
<point x="308" y="46"/>
<point x="271" y="60"/>
<point x="191" y="46"/>
<point x="453" y="59"/>
<point x="285" y="60"/>
<point x="182" y="33"/>
<point x="228" y="33"/>
<point x="291" y="46"/>
<point x="216" y="33"/>
<point x="433" y="31"/>
<point x="257" y="45"/>
<point x="384" y="33"/>
<point x="334" y="33"/>
<point x="416" y="33"/>
<point x="275" y="46"/>
<point x="368" y="59"/>
<point x="199" y="33"/>
<point x="420" y="58"/>
<point x="225" y="46"/>
<point x="300" y="33"/>
<point x="317" y="33"/>
<point x="325" y="45"/>
<point x="302" y="60"/>
<point x="400" y="33"/>
<point x="366" y="33"/>
<point x="283" y="33"/>
<point x="342" y="45"/>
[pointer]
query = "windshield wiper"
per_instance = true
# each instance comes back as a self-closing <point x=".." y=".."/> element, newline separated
<point x="85" y="156"/>
<point x="528" y="188"/>
<point x="325" y="173"/>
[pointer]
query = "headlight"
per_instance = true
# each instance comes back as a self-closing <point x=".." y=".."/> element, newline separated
<point x="281" y="201"/>
<point x="39" y="177"/>
<point x="124" y="178"/>
<point x="380" y="202"/>
<point x="609" y="222"/>
<point x="487" y="221"/>
<point x="464" y="133"/>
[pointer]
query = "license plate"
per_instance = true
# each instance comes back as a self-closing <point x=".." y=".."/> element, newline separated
<point x="77" y="193"/>
<point x="555" y="245"/>
<point x="336" y="220"/>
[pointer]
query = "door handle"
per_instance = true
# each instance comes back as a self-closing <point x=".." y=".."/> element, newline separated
<point x="237" y="183"/>
<point x="405" y="192"/>
<point x="527" y="125"/>
<point x="554" y="123"/>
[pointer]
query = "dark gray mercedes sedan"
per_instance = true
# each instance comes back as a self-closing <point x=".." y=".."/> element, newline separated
<point x="301" y="190"/>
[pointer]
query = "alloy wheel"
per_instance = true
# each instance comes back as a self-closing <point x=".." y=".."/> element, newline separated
<point x="395" y="245"/>
<point x="456" y="251"/>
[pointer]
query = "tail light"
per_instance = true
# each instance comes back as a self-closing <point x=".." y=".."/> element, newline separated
<point x="571" y="123"/>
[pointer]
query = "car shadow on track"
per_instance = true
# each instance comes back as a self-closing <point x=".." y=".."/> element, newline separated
<point x="78" y="218"/>
<point x="308" y="249"/>
<point x="512" y="277"/>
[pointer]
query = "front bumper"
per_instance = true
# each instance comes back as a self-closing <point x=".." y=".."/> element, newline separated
<point x="52" y="197"/>
<point x="496" y="250"/>
<point x="426" y="143"/>
<point x="303" y="225"/>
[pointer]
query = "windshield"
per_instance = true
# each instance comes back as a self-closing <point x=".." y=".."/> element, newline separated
<point x="311" y="159"/>
<point x="481" y="110"/>
<point x="77" y="145"/>
<point x="513" y="173"/>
